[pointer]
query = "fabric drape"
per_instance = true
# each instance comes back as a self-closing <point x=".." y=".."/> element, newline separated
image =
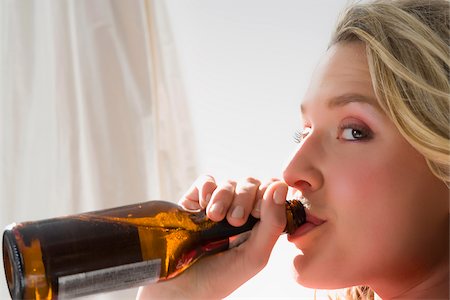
<point x="92" y="111"/>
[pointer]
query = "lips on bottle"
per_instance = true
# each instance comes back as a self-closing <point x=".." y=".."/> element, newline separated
<point x="311" y="223"/>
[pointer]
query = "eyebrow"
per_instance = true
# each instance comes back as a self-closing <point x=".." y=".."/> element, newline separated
<point x="344" y="99"/>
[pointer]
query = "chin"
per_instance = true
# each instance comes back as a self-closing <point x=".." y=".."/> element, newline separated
<point x="309" y="275"/>
<point x="304" y="273"/>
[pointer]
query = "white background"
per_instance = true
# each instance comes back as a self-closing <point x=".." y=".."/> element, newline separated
<point x="245" y="66"/>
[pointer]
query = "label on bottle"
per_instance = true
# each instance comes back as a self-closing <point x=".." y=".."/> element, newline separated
<point x="114" y="278"/>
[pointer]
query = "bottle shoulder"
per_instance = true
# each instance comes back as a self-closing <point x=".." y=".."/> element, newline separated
<point x="161" y="214"/>
<point x="143" y="209"/>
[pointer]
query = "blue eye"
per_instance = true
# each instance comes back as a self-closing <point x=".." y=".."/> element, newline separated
<point x="354" y="132"/>
<point x="301" y="134"/>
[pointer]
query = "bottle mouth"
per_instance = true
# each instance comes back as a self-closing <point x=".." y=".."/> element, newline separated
<point x="298" y="210"/>
<point x="13" y="265"/>
<point x="297" y="216"/>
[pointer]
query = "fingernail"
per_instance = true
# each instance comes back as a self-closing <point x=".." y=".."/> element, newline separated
<point x="238" y="212"/>
<point x="216" y="208"/>
<point x="278" y="196"/>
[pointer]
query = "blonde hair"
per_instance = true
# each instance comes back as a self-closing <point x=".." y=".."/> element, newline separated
<point x="407" y="46"/>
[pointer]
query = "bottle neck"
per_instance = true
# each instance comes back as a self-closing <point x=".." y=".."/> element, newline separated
<point x="295" y="217"/>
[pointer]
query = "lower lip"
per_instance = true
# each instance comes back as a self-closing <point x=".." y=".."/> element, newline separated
<point x="302" y="230"/>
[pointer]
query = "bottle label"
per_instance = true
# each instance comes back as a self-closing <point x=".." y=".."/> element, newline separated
<point x="114" y="278"/>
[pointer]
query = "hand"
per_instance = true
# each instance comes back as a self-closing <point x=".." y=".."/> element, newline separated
<point x="216" y="276"/>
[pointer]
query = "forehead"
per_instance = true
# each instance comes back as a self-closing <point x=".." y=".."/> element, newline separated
<point x="343" y="70"/>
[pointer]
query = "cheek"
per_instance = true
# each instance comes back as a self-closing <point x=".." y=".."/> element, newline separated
<point x="356" y="188"/>
<point x="388" y="212"/>
<point x="370" y="196"/>
<point x="360" y="198"/>
<point x="378" y="182"/>
<point x="352" y="202"/>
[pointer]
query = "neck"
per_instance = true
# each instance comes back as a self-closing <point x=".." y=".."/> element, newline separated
<point x="435" y="285"/>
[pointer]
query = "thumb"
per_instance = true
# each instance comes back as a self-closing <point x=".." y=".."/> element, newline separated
<point x="234" y="267"/>
<point x="271" y="225"/>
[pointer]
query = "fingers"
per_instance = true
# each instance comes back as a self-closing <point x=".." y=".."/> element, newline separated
<point x="199" y="194"/>
<point x="221" y="200"/>
<point x="243" y="202"/>
<point x="232" y="200"/>
<point x="256" y="212"/>
<point x="236" y="266"/>
<point x="219" y="275"/>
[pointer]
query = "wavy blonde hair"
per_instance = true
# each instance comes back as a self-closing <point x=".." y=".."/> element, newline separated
<point x="407" y="46"/>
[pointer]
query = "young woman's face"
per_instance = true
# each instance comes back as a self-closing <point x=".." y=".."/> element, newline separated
<point x="385" y="214"/>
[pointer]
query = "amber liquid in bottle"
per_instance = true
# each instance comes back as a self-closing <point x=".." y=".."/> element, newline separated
<point x="116" y="248"/>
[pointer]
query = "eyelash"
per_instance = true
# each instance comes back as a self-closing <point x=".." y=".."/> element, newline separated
<point x="300" y="135"/>
<point x="367" y="134"/>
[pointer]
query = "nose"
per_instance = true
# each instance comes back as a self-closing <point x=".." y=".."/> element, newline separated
<point x="302" y="171"/>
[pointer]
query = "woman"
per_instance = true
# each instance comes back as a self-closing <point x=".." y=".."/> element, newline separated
<point x="372" y="165"/>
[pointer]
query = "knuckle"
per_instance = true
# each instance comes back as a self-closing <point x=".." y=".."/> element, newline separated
<point x="230" y="182"/>
<point x="205" y="178"/>
<point x="248" y="185"/>
<point x="252" y="180"/>
<point x="208" y="177"/>
<point x="245" y="189"/>
<point x="223" y="192"/>
<point x="205" y="181"/>
<point x="209" y="185"/>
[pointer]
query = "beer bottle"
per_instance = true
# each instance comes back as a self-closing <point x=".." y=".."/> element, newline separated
<point x="116" y="248"/>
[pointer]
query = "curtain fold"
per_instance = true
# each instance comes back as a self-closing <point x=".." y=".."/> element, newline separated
<point x="92" y="109"/>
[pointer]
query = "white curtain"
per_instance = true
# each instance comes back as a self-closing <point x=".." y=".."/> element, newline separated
<point x="92" y="110"/>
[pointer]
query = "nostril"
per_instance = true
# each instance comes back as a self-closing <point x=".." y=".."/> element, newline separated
<point x="302" y="185"/>
<point x="305" y="178"/>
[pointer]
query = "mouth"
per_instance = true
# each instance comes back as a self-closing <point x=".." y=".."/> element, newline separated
<point x="312" y="222"/>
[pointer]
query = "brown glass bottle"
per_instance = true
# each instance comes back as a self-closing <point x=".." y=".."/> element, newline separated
<point x="115" y="248"/>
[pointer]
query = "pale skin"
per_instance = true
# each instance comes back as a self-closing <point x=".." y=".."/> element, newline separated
<point x="382" y="215"/>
